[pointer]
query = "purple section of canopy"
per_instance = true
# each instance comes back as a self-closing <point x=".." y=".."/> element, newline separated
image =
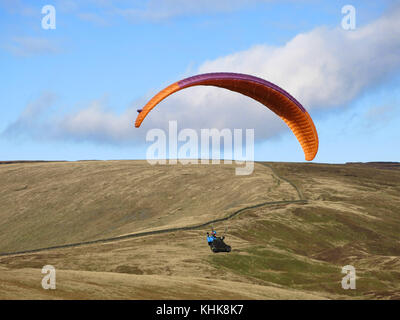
<point x="236" y="76"/>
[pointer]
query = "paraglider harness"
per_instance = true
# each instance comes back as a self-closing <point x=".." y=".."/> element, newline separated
<point x="217" y="244"/>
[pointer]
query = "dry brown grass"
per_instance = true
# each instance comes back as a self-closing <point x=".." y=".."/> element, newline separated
<point x="47" y="204"/>
<point x="280" y="252"/>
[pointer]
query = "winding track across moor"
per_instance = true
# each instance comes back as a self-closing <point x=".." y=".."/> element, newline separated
<point x="169" y="230"/>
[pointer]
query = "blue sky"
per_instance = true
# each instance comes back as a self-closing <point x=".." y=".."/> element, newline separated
<point x="71" y="93"/>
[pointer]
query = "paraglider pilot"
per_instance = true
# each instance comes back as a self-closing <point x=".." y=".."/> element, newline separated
<point x="210" y="239"/>
<point x="214" y="235"/>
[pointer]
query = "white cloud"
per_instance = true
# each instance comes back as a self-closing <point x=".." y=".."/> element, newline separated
<point x="98" y="124"/>
<point x="156" y="10"/>
<point x="30" y="122"/>
<point x="323" y="68"/>
<point x="30" y="46"/>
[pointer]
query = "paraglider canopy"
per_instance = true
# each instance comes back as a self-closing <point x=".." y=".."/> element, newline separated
<point x="265" y="92"/>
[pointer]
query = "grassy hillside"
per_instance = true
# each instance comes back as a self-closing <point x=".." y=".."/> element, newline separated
<point x="47" y="204"/>
<point x="280" y="251"/>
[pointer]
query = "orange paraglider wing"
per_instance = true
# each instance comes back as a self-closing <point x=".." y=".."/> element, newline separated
<point x="265" y="92"/>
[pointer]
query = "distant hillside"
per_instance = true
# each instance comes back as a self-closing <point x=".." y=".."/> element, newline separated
<point x="378" y="164"/>
<point x="284" y="250"/>
<point x="53" y="203"/>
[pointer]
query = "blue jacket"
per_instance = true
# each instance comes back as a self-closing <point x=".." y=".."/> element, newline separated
<point x="210" y="239"/>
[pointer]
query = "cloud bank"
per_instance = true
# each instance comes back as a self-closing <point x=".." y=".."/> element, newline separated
<point x="323" y="69"/>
